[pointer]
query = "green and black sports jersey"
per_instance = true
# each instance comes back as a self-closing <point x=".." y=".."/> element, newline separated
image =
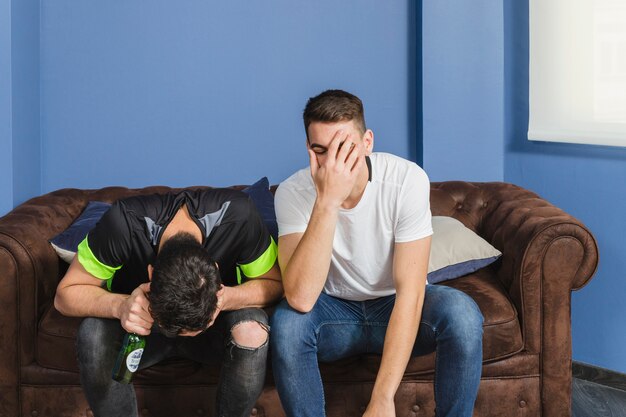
<point x="125" y="240"/>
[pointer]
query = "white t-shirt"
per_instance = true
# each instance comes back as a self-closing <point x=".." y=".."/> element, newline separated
<point x="394" y="208"/>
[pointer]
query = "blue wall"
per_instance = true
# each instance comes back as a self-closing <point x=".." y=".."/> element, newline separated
<point x="20" y="143"/>
<point x="197" y="92"/>
<point x="587" y="182"/>
<point x="25" y="100"/>
<point x="6" y="144"/>
<point x="475" y="119"/>
<point x="462" y="52"/>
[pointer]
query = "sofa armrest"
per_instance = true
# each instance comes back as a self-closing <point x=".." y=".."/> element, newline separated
<point x="546" y="253"/>
<point x="30" y="271"/>
<point x="29" y="268"/>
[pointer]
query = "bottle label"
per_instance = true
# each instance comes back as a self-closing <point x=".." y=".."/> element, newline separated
<point x="133" y="359"/>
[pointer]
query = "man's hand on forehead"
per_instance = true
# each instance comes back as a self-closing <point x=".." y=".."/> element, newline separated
<point x="341" y="137"/>
<point x="341" y="152"/>
<point x="352" y="145"/>
<point x="335" y="171"/>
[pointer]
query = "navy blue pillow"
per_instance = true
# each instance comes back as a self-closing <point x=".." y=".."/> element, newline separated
<point x="66" y="243"/>
<point x="260" y="193"/>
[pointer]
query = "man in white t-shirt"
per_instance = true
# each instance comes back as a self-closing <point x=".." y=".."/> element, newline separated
<point x="354" y="243"/>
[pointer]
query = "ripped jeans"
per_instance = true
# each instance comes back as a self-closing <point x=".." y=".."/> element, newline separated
<point x="242" y="373"/>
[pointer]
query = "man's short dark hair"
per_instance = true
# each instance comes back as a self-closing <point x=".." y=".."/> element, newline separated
<point x="334" y="106"/>
<point x="185" y="281"/>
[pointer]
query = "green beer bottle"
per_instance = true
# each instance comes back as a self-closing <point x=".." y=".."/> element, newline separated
<point x="129" y="357"/>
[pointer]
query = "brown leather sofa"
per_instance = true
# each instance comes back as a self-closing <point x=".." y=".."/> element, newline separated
<point x="525" y="299"/>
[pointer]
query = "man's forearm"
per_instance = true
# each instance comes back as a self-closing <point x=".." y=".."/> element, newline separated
<point x="307" y="270"/>
<point x="410" y="269"/>
<point x="399" y="341"/>
<point x="94" y="302"/>
<point x="258" y="292"/>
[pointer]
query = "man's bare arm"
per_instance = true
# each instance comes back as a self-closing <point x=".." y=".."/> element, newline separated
<point x="410" y="266"/>
<point x="80" y="294"/>
<point x="257" y="292"/>
<point x="304" y="258"/>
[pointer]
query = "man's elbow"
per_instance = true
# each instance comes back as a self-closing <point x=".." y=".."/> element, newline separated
<point x="60" y="303"/>
<point x="300" y="304"/>
<point x="301" y="307"/>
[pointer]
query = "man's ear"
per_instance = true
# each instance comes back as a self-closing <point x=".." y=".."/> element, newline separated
<point x="368" y="141"/>
<point x="150" y="270"/>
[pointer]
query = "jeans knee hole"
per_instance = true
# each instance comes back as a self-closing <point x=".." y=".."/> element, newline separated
<point x="252" y="338"/>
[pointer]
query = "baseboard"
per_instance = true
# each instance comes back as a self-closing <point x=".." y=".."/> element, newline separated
<point x="599" y="375"/>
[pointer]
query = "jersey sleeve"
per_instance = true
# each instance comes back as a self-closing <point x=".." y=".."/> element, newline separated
<point x="107" y="246"/>
<point x="290" y="215"/>
<point x="414" y="219"/>
<point x="259" y="251"/>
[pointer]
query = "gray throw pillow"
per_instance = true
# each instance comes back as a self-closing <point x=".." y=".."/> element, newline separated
<point x="456" y="250"/>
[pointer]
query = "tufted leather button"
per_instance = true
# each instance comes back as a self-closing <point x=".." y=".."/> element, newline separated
<point x="484" y="204"/>
<point x="522" y="404"/>
<point x="416" y="408"/>
<point x="459" y="206"/>
<point x="34" y="413"/>
<point x="254" y="412"/>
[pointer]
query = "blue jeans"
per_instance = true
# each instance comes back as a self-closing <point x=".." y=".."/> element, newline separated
<point x="241" y="378"/>
<point x="451" y="325"/>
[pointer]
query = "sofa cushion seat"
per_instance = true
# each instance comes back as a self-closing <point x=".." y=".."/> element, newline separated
<point x="502" y="337"/>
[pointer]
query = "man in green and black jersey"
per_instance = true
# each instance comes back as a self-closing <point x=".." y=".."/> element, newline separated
<point x="199" y="264"/>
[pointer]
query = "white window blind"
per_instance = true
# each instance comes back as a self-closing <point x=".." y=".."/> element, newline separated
<point x="578" y="71"/>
